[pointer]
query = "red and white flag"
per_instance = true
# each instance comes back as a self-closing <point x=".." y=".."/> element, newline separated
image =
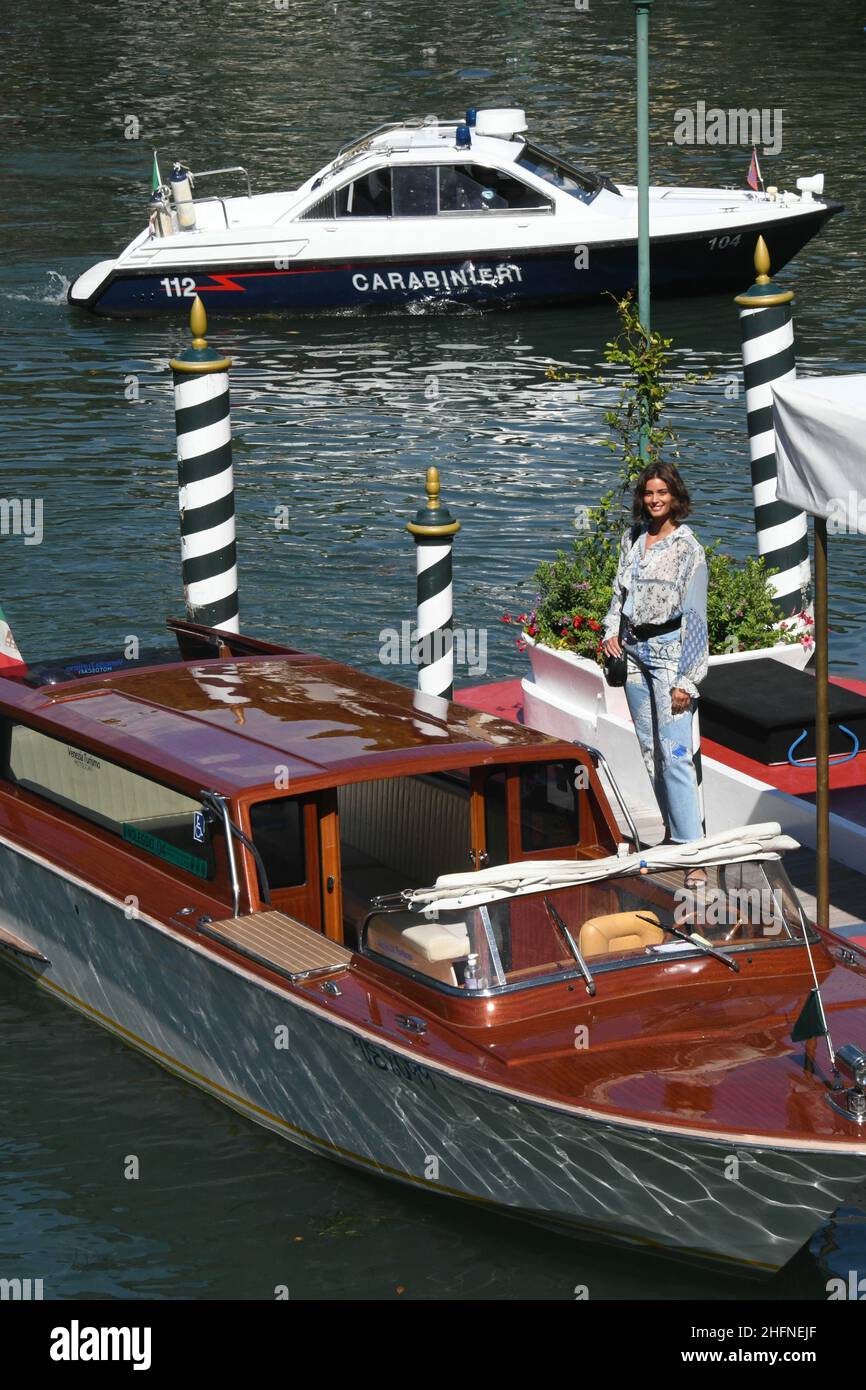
<point x="11" y="662"/>
<point x="755" y="180"/>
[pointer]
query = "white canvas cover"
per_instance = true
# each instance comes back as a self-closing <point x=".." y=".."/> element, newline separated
<point x="463" y="890"/>
<point x="820" y="425"/>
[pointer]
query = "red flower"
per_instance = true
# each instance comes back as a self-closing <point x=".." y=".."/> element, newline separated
<point x="506" y="618"/>
<point x="596" y="627"/>
<point x="532" y="629"/>
<point x="578" y="621"/>
<point x="520" y="645"/>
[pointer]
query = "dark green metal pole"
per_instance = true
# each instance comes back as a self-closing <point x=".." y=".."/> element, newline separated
<point x="642" y="9"/>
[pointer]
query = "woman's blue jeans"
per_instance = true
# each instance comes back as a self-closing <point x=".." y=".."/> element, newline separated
<point x="665" y="738"/>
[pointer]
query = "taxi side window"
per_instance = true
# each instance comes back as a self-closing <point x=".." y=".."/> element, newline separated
<point x="278" y="835"/>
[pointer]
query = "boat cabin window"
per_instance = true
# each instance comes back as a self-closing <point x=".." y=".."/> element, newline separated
<point x="424" y="190"/>
<point x="471" y="188"/>
<point x="155" y="818"/>
<point x="557" y="172"/>
<point x="550" y="805"/>
<point x="416" y="190"/>
<point x="278" y="835"/>
<point x="368" y="196"/>
<point x="401" y="831"/>
<point x="614" y="923"/>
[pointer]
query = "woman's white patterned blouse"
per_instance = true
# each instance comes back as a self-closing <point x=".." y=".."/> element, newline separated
<point x="667" y="581"/>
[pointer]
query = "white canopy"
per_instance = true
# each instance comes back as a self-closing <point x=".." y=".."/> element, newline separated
<point x="464" y="890"/>
<point x="820" y="425"/>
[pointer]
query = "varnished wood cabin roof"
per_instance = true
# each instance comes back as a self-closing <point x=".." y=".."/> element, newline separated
<point x="229" y="724"/>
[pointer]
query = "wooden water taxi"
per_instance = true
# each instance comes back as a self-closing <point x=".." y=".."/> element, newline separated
<point x="403" y="934"/>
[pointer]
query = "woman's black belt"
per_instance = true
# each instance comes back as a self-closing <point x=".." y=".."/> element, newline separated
<point x="647" y="630"/>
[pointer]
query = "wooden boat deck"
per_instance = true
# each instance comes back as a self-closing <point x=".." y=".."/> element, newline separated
<point x="280" y="943"/>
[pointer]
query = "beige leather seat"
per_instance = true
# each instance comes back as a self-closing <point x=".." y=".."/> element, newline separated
<point x="619" y="931"/>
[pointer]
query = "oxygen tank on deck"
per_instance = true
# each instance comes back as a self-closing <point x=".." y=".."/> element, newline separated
<point x="181" y="192"/>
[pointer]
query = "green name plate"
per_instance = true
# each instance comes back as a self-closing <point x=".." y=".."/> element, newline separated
<point x="163" y="850"/>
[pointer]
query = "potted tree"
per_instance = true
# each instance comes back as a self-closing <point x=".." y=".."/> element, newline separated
<point x="563" y="628"/>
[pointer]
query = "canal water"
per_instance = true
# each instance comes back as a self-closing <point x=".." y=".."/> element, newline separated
<point x="335" y="420"/>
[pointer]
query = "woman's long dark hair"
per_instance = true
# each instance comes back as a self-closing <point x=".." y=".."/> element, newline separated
<point x="681" y="504"/>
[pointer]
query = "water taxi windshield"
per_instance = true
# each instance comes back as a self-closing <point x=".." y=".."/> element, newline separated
<point x="620" y="921"/>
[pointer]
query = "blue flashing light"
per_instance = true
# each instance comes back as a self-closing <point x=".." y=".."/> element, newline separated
<point x="464" y="137"/>
<point x="470" y="116"/>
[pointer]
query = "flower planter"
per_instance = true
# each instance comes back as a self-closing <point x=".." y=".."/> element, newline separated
<point x="579" y="682"/>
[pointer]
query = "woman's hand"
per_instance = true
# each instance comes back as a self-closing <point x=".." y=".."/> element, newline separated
<point x="612" y="647"/>
<point x="680" y="701"/>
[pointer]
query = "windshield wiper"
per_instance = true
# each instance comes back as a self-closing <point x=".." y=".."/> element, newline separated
<point x="694" y="940"/>
<point x="557" y="921"/>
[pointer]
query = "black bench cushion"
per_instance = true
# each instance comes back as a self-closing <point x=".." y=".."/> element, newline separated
<point x="758" y="708"/>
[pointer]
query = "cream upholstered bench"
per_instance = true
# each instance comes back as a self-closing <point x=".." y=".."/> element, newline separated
<point x="619" y="931"/>
<point x="428" y="947"/>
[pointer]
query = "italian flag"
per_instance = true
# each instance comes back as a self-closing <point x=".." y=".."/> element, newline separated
<point x="11" y="662"/>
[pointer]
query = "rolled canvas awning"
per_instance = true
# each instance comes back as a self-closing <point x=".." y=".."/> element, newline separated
<point x="463" y="890"/>
<point x="820" y="425"/>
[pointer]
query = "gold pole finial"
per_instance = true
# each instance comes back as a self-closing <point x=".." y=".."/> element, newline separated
<point x="757" y="297"/>
<point x="434" y="519"/>
<point x="198" y="323"/>
<point x="762" y="262"/>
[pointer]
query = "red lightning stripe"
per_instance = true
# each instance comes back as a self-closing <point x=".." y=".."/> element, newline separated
<point x="229" y="282"/>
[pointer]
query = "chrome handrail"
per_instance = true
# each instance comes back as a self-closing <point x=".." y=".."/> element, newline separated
<point x="606" y="769"/>
<point x="220" y="806"/>
<point x="230" y="169"/>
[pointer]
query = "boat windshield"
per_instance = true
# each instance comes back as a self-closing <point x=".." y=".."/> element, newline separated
<point x="519" y="941"/>
<point x="556" y="171"/>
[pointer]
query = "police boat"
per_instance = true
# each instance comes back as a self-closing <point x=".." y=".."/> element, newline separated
<point x="433" y="213"/>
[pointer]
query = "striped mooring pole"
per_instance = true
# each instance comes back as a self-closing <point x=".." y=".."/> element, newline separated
<point x="433" y="531"/>
<point x="782" y="533"/>
<point x="206" y="493"/>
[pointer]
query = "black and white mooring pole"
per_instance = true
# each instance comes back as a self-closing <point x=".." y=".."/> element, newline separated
<point x="206" y="494"/>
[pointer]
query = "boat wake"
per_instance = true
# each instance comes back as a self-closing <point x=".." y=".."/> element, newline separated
<point x="54" y="293"/>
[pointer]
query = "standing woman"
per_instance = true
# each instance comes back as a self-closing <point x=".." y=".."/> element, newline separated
<point x="660" y="591"/>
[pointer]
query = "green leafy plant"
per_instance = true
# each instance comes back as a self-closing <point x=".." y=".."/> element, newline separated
<point x="574" y="589"/>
